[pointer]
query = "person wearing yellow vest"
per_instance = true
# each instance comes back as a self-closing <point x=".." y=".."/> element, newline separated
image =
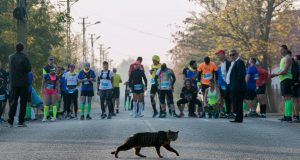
<point x="154" y="67"/>
<point x="212" y="99"/>
<point x="285" y="77"/>
<point x="116" y="84"/>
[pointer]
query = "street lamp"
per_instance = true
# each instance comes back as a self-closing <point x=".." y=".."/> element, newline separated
<point x="84" y="26"/>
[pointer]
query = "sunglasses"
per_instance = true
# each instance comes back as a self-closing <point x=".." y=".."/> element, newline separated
<point x="232" y="55"/>
<point x="51" y="59"/>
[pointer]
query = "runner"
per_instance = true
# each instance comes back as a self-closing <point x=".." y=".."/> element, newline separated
<point x="188" y="95"/>
<point x="116" y="84"/>
<point x="251" y="77"/>
<point x="223" y="87"/>
<point x="50" y="64"/>
<point x="72" y="82"/>
<point x="190" y="72"/>
<point x="212" y="100"/>
<point x="86" y="77"/>
<point x="286" y="82"/>
<point x="3" y="91"/>
<point x="127" y="96"/>
<point x="261" y="89"/>
<point x="131" y="68"/>
<point x="154" y="67"/>
<point x="165" y="80"/>
<point x="137" y="88"/>
<point x="105" y="90"/>
<point x="51" y="88"/>
<point x="60" y="73"/>
<point x="206" y="71"/>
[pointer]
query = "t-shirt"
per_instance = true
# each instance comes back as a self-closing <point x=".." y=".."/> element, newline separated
<point x="207" y="72"/>
<point x="71" y="80"/>
<point x="165" y="79"/>
<point x="131" y="68"/>
<point x="105" y="80"/>
<point x="3" y="81"/>
<point x="116" y="80"/>
<point x="86" y="85"/>
<point x="221" y="79"/>
<point x="190" y="73"/>
<point x="262" y="76"/>
<point x="253" y="73"/>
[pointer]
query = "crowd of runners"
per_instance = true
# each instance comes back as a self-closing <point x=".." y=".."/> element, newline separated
<point x="229" y="89"/>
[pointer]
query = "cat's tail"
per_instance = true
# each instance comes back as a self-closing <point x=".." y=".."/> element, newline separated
<point x="114" y="152"/>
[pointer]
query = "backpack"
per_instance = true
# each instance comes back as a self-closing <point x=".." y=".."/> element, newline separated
<point x="295" y="71"/>
<point x="107" y="75"/>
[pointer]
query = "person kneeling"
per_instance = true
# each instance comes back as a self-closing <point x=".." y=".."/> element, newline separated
<point x="188" y="95"/>
<point x="212" y="100"/>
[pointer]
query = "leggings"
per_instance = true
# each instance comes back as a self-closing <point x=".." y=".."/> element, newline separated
<point x="72" y="97"/>
<point x="106" y="96"/>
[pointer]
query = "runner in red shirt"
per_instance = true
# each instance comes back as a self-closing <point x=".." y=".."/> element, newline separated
<point x="261" y="89"/>
<point x="131" y="68"/>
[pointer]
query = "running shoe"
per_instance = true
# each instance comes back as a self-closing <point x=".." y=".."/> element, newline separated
<point x="154" y="114"/>
<point x="216" y="115"/>
<point x="9" y="125"/>
<point x="82" y="117"/>
<point x="181" y="114"/>
<point x="263" y="116"/>
<point x="103" y="115"/>
<point x="209" y="115"/>
<point x="88" y="117"/>
<point x="53" y="119"/>
<point x="44" y="119"/>
<point x="163" y="115"/>
<point x="113" y="114"/>
<point x="117" y="110"/>
<point x="22" y="125"/>
<point x="175" y="115"/>
<point x="109" y="116"/>
<point x="192" y="115"/>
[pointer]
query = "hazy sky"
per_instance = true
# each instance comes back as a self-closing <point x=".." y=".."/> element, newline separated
<point x="132" y="27"/>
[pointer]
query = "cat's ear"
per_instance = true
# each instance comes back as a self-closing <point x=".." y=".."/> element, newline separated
<point x="169" y="131"/>
<point x="177" y="132"/>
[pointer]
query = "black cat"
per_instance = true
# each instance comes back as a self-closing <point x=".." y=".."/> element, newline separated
<point x="149" y="139"/>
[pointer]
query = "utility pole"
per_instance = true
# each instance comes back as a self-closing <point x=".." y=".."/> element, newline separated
<point x="101" y="55"/>
<point x="93" y="54"/>
<point x="20" y="15"/>
<point x="68" y="55"/>
<point x="93" y="40"/>
<point x="69" y="58"/>
<point x="83" y="37"/>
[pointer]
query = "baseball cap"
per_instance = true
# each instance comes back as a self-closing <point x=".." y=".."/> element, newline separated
<point x="220" y="52"/>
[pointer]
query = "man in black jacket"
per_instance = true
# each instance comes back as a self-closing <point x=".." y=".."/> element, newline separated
<point x="237" y="84"/>
<point x="19" y="67"/>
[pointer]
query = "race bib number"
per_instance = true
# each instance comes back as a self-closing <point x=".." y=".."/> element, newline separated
<point x="256" y="76"/>
<point x="207" y="76"/>
<point x="50" y="86"/>
<point x="138" y="87"/>
<point x="104" y="85"/>
<point x="152" y="81"/>
<point x="165" y="85"/>
<point x="223" y="88"/>
<point x="71" y="90"/>
<point x="2" y="97"/>
<point x="86" y="82"/>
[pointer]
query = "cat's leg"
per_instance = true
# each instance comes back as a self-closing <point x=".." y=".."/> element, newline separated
<point x="169" y="148"/>
<point x="124" y="147"/>
<point x="137" y="152"/>
<point x="158" y="151"/>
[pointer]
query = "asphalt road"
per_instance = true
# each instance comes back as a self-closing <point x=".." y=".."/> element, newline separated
<point x="204" y="139"/>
